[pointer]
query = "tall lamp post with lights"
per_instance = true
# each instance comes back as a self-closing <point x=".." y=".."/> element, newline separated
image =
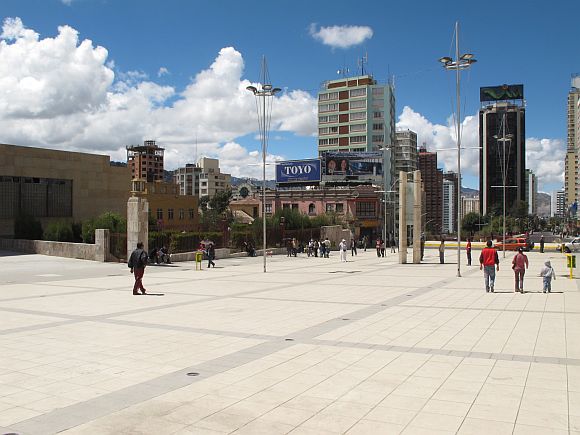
<point x="264" y="111"/>
<point x="460" y="62"/>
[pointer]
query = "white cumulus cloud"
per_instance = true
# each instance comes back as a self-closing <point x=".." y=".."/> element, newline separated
<point x="543" y="156"/>
<point x="341" y="36"/>
<point x="62" y="92"/>
<point x="162" y="72"/>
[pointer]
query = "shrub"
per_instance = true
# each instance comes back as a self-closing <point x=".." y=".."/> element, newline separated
<point x="59" y="231"/>
<point x="27" y="227"/>
<point x="108" y="220"/>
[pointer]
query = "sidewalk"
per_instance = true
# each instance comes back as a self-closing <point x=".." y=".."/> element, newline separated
<point x="314" y="346"/>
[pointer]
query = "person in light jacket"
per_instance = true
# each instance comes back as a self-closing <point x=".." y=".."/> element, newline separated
<point x="547" y="273"/>
<point x="342" y="247"/>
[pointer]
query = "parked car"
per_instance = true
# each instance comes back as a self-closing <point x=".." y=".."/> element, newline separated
<point x="570" y="246"/>
<point x="514" y="243"/>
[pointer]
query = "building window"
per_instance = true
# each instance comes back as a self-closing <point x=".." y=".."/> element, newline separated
<point x="378" y="138"/>
<point x="378" y="103"/>
<point x="170" y="214"/>
<point x="358" y="127"/>
<point x="339" y="208"/>
<point x="286" y="206"/>
<point x="379" y="91"/>
<point x="332" y="107"/>
<point x="324" y="119"/>
<point x="358" y="104"/>
<point x="333" y="141"/>
<point x="268" y="208"/>
<point x="191" y="213"/>
<point x="322" y="142"/>
<point x="328" y="130"/>
<point x="294" y="206"/>
<point x="181" y="214"/>
<point x="159" y="214"/>
<point x="358" y="92"/>
<point x="379" y="114"/>
<point x="358" y="139"/>
<point x="365" y="209"/>
<point x="311" y="209"/>
<point x="358" y="115"/>
<point x="379" y="126"/>
<point x="328" y="96"/>
<point x="329" y="208"/>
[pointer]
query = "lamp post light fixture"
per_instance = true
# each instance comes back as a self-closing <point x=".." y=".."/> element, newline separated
<point x="460" y="62"/>
<point x="264" y="117"/>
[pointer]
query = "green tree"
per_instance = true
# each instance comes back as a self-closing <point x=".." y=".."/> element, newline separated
<point x="471" y="223"/>
<point x="108" y="220"/>
<point x="59" y="231"/>
<point x="220" y="201"/>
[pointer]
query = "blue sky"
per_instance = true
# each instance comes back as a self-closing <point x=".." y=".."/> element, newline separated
<point x="157" y="50"/>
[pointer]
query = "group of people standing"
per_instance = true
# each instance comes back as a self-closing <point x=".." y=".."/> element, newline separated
<point x="489" y="263"/>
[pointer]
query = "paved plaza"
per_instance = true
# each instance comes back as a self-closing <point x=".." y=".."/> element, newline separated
<point x="315" y="346"/>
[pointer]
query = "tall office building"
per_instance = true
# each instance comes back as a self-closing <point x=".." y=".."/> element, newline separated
<point x="572" y="168"/>
<point x="502" y="157"/>
<point x="202" y="179"/>
<point x="433" y="185"/>
<point x="146" y="161"/>
<point x="355" y="114"/>
<point x="559" y="203"/>
<point x="469" y="205"/>
<point x="406" y="158"/>
<point x="449" y="206"/>
<point x="531" y="191"/>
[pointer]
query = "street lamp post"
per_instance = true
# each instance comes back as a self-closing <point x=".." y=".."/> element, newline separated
<point x="264" y="117"/>
<point x="461" y="62"/>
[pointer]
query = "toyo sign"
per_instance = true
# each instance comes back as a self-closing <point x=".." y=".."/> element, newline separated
<point x="298" y="171"/>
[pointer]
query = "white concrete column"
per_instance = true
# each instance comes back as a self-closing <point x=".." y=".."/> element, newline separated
<point x="417" y="217"/>
<point x="137" y="223"/>
<point x="102" y="244"/>
<point x="402" y="217"/>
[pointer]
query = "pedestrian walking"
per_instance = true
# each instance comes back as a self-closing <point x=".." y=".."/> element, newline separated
<point x="365" y="243"/>
<point x="442" y="252"/>
<point x="353" y="247"/>
<point x="422" y="245"/>
<point x="210" y="255"/>
<point x="519" y="265"/>
<point x="322" y="249"/>
<point x="378" y="246"/>
<point x="542" y="244"/>
<point x="383" y="246"/>
<point x="468" y="251"/>
<point x="137" y="263"/>
<point x="393" y="244"/>
<point x="547" y="273"/>
<point x="487" y="260"/>
<point x="327" y="248"/>
<point x="316" y="247"/>
<point x="342" y="247"/>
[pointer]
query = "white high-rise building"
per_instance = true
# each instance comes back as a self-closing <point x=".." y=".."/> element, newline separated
<point x="449" y="205"/>
<point x="202" y="179"/>
<point x="572" y="168"/>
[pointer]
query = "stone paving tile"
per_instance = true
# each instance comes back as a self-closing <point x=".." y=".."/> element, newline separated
<point x="368" y="352"/>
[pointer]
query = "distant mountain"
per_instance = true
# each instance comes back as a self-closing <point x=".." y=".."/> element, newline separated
<point x="270" y="184"/>
<point x="544" y="201"/>
<point x="469" y="193"/>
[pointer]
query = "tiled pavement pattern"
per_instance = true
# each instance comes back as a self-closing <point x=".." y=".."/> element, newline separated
<point x="312" y="347"/>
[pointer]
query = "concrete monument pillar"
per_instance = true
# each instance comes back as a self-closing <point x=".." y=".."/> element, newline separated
<point x="402" y="217"/>
<point x="102" y="241"/>
<point x="137" y="219"/>
<point x="417" y="230"/>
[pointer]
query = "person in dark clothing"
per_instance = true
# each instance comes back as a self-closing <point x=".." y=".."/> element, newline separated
<point x="422" y="246"/>
<point x="468" y="251"/>
<point x="353" y="247"/>
<point x="137" y="262"/>
<point x="210" y="255"/>
<point x="542" y="244"/>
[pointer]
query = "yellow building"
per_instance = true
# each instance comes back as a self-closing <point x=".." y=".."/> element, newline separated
<point x="169" y="209"/>
<point x="54" y="185"/>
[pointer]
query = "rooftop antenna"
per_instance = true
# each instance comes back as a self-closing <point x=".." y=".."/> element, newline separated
<point x="343" y="72"/>
<point x="361" y="63"/>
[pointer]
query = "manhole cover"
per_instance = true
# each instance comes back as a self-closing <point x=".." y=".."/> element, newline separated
<point x="193" y="374"/>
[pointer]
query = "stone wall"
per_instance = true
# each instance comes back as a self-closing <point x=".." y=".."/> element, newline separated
<point x="83" y="251"/>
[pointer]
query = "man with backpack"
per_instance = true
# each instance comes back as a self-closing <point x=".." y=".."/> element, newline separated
<point x="137" y="262"/>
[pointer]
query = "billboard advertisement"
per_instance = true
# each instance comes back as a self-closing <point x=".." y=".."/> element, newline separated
<point x="298" y="171"/>
<point x="354" y="163"/>
<point x="503" y="92"/>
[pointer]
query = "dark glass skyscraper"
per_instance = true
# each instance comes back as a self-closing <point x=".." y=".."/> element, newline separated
<point x="502" y="162"/>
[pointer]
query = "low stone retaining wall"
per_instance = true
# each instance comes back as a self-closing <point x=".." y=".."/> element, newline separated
<point x="82" y="251"/>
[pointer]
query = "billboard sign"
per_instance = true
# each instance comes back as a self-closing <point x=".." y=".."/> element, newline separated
<point x="298" y="171"/>
<point x="354" y="163"/>
<point x="500" y="93"/>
